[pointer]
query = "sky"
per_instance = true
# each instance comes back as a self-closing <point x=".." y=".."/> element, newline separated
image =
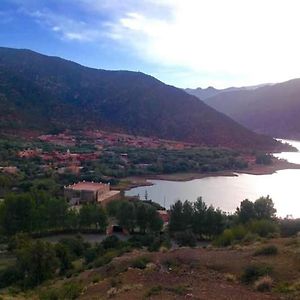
<point x="186" y="43"/>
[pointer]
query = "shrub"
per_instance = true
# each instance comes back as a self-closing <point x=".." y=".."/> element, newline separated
<point x="263" y="284"/>
<point x="9" y="276"/>
<point x="185" y="238"/>
<point x="139" y="241"/>
<point x="250" y="237"/>
<point x="49" y="294"/>
<point x="264" y="228"/>
<point x="225" y="239"/>
<point x="239" y="232"/>
<point x="289" y="227"/>
<point x="253" y="272"/>
<point x="140" y="262"/>
<point x="110" y="242"/>
<point x="155" y="290"/>
<point x="70" y="291"/>
<point x="267" y="250"/>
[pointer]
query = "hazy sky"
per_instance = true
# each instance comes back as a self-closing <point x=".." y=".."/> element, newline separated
<point x="186" y="43"/>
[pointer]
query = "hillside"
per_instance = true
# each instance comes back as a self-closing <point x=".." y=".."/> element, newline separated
<point x="43" y="93"/>
<point x="273" y="110"/>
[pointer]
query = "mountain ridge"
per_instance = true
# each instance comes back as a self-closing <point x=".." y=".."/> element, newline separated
<point x="45" y="92"/>
<point x="273" y="109"/>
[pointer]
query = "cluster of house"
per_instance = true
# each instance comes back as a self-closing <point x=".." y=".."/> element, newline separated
<point x="61" y="139"/>
<point x="9" y="170"/>
<point x="71" y="161"/>
<point x="113" y="139"/>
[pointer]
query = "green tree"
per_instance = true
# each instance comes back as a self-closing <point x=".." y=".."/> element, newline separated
<point x="127" y="216"/>
<point x="246" y="211"/>
<point x="64" y="257"/>
<point x="16" y="213"/>
<point x="37" y="262"/>
<point x="264" y="208"/>
<point x="199" y="217"/>
<point x="92" y="215"/>
<point x="176" y="217"/>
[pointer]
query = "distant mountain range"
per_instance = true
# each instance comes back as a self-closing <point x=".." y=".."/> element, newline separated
<point x="43" y="93"/>
<point x="203" y="94"/>
<point x="269" y="109"/>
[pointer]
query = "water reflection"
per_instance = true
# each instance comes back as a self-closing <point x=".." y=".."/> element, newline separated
<point x="228" y="192"/>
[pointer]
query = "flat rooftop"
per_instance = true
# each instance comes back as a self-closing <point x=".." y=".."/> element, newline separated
<point x="87" y="186"/>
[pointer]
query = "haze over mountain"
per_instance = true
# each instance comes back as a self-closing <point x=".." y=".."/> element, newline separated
<point x="273" y="109"/>
<point x="211" y="91"/>
<point x="41" y="92"/>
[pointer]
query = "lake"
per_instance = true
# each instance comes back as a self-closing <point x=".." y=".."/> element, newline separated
<point x="227" y="192"/>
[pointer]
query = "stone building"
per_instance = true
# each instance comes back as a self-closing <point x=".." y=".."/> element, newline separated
<point x="90" y="192"/>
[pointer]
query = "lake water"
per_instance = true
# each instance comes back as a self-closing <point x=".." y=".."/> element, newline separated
<point x="227" y="192"/>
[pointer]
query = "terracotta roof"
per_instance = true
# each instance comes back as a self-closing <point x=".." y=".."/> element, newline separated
<point x="87" y="186"/>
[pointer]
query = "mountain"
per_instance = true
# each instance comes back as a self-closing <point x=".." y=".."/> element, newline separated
<point x="209" y="92"/>
<point x="273" y="110"/>
<point x="41" y="93"/>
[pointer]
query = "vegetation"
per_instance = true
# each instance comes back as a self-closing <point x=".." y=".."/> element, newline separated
<point x="267" y="250"/>
<point x="197" y="218"/>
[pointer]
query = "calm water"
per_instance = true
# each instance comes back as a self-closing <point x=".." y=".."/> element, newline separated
<point x="227" y="192"/>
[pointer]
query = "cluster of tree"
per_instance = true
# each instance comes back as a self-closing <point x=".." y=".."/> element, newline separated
<point x="263" y="159"/>
<point x="203" y="221"/>
<point x="136" y="215"/>
<point x="262" y="208"/>
<point x="38" y="212"/>
<point x="250" y="221"/>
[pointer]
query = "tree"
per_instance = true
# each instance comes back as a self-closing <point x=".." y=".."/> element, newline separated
<point x="37" y="262"/>
<point x="127" y="215"/>
<point x="264" y="208"/>
<point x="176" y="217"/>
<point x="187" y="214"/>
<point x="155" y="223"/>
<point x="199" y="216"/>
<point x="64" y="257"/>
<point x="93" y="215"/>
<point x="141" y="217"/>
<point x="246" y="211"/>
<point x="16" y="214"/>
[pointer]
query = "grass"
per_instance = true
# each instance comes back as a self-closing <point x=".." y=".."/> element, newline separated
<point x="140" y="262"/>
<point x="267" y="250"/>
<point x="253" y="272"/>
<point x="158" y="289"/>
<point x="6" y="261"/>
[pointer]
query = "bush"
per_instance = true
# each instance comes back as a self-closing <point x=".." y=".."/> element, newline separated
<point x="267" y="250"/>
<point x="253" y="272"/>
<point x="289" y="227"/>
<point x="250" y="237"/>
<point x="225" y="239"/>
<point x="140" y="262"/>
<point x="185" y="238"/>
<point x="264" y="284"/>
<point x="139" y="241"/>
<point x="9" y="276"/>
<point x="70" y="291"/>
<point x="264" y="228"/>
<point x="110" y="242"/>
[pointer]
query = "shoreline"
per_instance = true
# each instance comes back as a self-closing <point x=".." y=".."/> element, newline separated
<point x="137" y="181"/>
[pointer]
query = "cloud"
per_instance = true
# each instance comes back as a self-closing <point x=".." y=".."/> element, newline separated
<point x="254" y="40"/>
<point x="224" y="42"/>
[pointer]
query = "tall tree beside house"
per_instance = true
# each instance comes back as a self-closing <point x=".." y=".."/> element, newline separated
<point x="93" y="215"/>
<point x="127" y="215"/>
